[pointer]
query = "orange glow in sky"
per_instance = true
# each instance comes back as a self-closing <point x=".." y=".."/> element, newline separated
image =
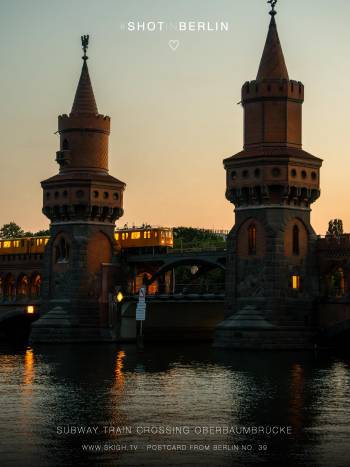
<point x="174" y="113"/>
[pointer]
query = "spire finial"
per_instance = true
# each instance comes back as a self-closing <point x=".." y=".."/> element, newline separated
<point x="85" y="45"/>
<point x="273" y="12"/>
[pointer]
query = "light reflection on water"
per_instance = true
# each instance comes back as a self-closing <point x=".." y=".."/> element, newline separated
<point x="183" y="386"/>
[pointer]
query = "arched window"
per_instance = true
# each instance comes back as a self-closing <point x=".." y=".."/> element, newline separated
<point x="296" y="249"/>
<point x="22" y="287"/>
<point x="35" y="286"/>
<point x="62" y="251"/>
<point x="252" y="240"/>
<point x="9" y="288"/>
<point x="65" y="145"/>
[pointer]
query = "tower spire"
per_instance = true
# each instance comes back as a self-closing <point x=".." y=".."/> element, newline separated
<point x="84" y="100"/>
<point x="272" y="64"/>
<point x="273" y="12"/>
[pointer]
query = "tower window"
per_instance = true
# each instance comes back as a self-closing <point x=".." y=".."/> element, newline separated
<point x="295" y="282"/>
<point x="245" y="174"/>
<point x="233" y="175"/>
<point x="257" y="173"/>
<point x="293" y="173"/>
<point x="62" y="251"/>
<point x="296" y="246"/>
<point x="303" y="174"/>
<point x="115" y="195"/>
<point x="313" y="175"/>
<point x="106" y="195"/>
<point x="252" y="240"/>
<point x="65" y="145"/>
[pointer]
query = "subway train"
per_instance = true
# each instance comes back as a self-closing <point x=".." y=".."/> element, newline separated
<point x="141" y="239"/>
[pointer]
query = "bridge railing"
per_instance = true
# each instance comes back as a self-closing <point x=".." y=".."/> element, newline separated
<point x="197" y="249"/>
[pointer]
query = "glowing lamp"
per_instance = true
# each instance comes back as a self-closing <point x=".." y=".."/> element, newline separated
<point x="30" y="310"/>
<point x="120" y="297"/>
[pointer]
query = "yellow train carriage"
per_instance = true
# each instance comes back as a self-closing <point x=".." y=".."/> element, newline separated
<point x="16" y="246"/>
<point x="38" y="244"/>
<point x="152" y="237"/>
<point x="23" y="246"/>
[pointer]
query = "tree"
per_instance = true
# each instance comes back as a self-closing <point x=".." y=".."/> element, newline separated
<point x="191" y="237"/>
<point x="42" y="233"/>
<point x="11" y="230"/>
<point x="335" y="227"/>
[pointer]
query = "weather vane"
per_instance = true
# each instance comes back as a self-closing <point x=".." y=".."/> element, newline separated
<point x="273" y="12"/>
<point x="85" y="45"/>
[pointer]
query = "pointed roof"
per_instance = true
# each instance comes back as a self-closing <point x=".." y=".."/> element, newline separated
<point x="84" y="101"/>
<point x="272" y="64"/>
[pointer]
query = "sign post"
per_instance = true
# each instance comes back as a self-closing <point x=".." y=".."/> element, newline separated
<point x="141" y="314"/>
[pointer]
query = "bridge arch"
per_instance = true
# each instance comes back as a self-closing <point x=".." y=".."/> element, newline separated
<point x="35" y="285"/>
<point x="22" y="287"/>
<point x="190" y="261"/>
<point x="9" y="288"/>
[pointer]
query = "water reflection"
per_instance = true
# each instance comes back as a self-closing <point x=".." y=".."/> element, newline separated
<point x="184" y="386"/>
<point x="28" y="368"/>
<point x="119" y="377"/>
<point x="297" y="401"/>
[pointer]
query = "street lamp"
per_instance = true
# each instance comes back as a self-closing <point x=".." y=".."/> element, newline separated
<point x="30" y="310"/>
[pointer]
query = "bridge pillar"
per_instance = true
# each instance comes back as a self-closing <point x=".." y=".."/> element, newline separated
<point x="271" y="279"/>
<point x="82" y="202"/>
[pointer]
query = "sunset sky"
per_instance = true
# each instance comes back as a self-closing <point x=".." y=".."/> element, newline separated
<point x="174" y="113"/>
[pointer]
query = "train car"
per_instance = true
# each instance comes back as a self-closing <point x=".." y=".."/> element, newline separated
<point x="14" y="246"/>
<point x="23" y="246"/>
<point x="145" y="239"/>
<point x="37" y="244"/>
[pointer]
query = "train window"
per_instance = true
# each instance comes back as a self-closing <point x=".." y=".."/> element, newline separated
<point x="22" y="243"/>
<point x="7" y="244"/>
<point x="123" y="236"/>
<point x="135" y="235"/>
<point x="46" y="240"/>
<point x="16" y="243"/>
<point x="155" y="234"/>
<point x="117" y="236"/>
<point x="144" y="234"/>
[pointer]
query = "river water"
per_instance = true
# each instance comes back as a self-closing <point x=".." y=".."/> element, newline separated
<point x="172" y="405"/>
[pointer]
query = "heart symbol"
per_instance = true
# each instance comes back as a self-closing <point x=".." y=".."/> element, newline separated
<point x="174" y="44"/>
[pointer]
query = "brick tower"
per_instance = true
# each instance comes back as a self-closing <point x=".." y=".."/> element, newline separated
<point x="82" y="202"/>
<point x="271" y="283"/>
